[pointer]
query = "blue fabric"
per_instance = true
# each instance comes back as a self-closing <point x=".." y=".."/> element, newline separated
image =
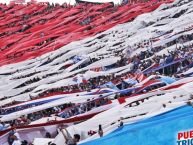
<point x="125" y="91"/>
<point x="169" y="59"/>
<point x="34" y="103"/>
<point x="159" y="130"/>
<point x="190" y="74"/>
<point x="110" y="85"/>
<point x="42" y="102"/>
<point x="131" y="81"/>
<point x="162" y="66"/>
<point x="99" y="92"/>
<point x="2" y="127"/>
<point x="77" y="59"/>
<point x="167" y="80"/>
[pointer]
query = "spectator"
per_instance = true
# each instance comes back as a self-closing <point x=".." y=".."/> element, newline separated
<point x="100" y="131"/>
<point x="16" y="139"/>
<point x="24" y="142"/>
<point x="121" y="122"/>
<point x="3" y="126"/>
<point x="69" y="139"/>
<point x="48" y="135"/>
<point x="10" y="136"/>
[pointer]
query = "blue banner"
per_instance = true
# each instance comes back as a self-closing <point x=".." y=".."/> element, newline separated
<point x="162" y="129"/>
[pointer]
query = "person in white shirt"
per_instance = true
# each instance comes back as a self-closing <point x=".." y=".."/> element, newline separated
<point x="17" y="142"/>
<point x="16" y="139"/>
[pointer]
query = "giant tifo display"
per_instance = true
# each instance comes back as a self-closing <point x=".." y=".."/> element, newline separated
<point x="93" y="72"/>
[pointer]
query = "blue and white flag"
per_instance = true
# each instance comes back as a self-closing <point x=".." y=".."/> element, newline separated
<point x="131" y="81"/>
<point x="167" y="80"/>
<point x="77" y="59"/>
<point x="110" y="85"/>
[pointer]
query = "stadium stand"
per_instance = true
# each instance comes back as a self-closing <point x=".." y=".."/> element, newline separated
<point x="101" y="72"/>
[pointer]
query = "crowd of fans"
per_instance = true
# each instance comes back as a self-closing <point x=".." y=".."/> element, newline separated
<point x="147" y="58"/>
<point x="65" y="111"/>
<point x="140" y="63"/>
<point x="84" y="107"/>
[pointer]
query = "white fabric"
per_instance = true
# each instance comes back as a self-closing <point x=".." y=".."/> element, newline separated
<point x="17" y="135"/>
<point x="134" y="29"/>
<point x="151" y="107"/>
<point x="42" y="141"/>
<point x="46" y="119"/>
<point x="143" y="25"/>
<point x="16" y="142"/>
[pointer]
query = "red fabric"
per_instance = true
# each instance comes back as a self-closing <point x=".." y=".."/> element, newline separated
<point x="121" y="100"/>
<point x="71" y="120"/>
<point x="62" y="25"/>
